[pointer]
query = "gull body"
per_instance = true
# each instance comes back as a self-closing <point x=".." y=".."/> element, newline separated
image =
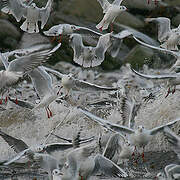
<point x="111" y="11"/>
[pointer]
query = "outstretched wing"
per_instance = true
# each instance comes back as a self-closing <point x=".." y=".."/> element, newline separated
<point x="107" y="124"/>
<point x="117" y="2"/>
<point x="17" y="144"/>
<point x="163" y="27"/>
<point x="16" y="7"/>
<point x="104" y="4"/>
<point x="44" y="13"/>
<point x="27" y="63"/>
<point x="106" y="166"/>
<point x="160" y="128"/>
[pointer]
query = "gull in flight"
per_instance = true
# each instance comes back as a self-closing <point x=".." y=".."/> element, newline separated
<point x="171" y="171"/>
<point x="176" y="54"/>
<point x="111" y="11"/>
<point x="40" y="153"/>
<point x="88" y="56"/>
<point x="31" y="12"/>
<point x="169" y="37"/>
<point x="173" y="79"/>
<point x="70" y="83"/>
<point x="81" y="165"/>
<point x="138" y="137"/>
<point x="17" y="69"/>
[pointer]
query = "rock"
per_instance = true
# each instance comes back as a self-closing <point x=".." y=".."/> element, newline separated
<point x="176" y="20"/>
<point x="138" y="56"/>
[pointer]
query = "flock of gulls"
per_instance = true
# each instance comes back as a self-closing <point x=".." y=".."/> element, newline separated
<point x="83" y="162"/>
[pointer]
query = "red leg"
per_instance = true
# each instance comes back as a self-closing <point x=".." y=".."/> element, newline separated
<point x="47" y="113"/>
<point x="1" y="100"/>
<point x="148" y="1"/>
<point x="50" y="112"/>
<point x="168" y="92"/>
<point x="111" y="27"/>
<point x="174" y="90"/>
<point x="143" y="154"/>
<point x="60" y="38"/>
<point x="101" y="28"/>
<point x="59" y="90"/>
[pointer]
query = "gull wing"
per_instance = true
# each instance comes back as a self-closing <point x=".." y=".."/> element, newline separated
<point x="103" y="44"/>
<point x="161" y="128"/>
<point x="163" y="76"/>
<point x="104" y="4"/>
<point x="176" y="54"/>
<point x="117" y="2"/>
<point x="41" y="81"/>
<point x="44" y="13"/>
<point x="107" y="124"/>
<point x="4" y="60"/>
<point x="173" y="139"/>
<point x="106" y="166"/>
<point x="31" y="61"/>
<point x="163" y="27"/>
<point x="17" y="8"/>
<point x="54" y="31"/>
<point x="89" y="87"/>
<point x="17" y="144"/>
<point x="112" y="146"/>
<point x="78" y="48"/>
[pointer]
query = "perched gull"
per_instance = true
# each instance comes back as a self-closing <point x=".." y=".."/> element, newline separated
<point x="111" y="11"/>
<point x="32" y="13"/>
<point x="169" y="37"/>
<point x="88" y="56"/>
<point x="176" y="54"/>
<point x="138" y="137"/>
<point x="173" y="79"/>
<point x="81" y="165"/>
<point x="21" y="66"/>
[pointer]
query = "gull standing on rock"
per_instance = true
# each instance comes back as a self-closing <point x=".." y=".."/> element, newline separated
<point x="138" y="137"/>
<point x="169" y="37"/>
<point x="111" y="11"/>
<point x="32" y="13"/>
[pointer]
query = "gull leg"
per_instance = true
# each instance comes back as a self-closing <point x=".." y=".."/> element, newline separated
<point x="53" y="39"/>
<point x="16" y="97"/>
<point x="80" y="176"/>
<point x="174" y="90"/>
<point x="148" y="1"/>
<point x="35" y="27"/>
<point x="60" y="38"/>
<point x="133" y="156"/>
<point x="47" y="113"/>
<point x="27" y="26"/>
<point x="111" y="27"/>
<point x="1" y="100"/>
<point x="168" y="92"/>
<point x="59" y="90"/>
<point x="143" y="154"/>
<point x="50" y="112"/>
<point x="6" y="99"/>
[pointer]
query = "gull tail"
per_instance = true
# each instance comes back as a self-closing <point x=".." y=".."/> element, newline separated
<point x="30" y="27"/>
<point x="172" y="47"/>
<point x="102" y="25"/>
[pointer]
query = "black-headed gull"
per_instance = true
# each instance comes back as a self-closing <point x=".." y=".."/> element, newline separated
<point x="88" y="56"/>
<point x="172" y="79"/>
<point x="31" y="12"/>
<point x="176" y="54"/>
<point x="81" y="165"/>
<point x="111" y="11"/>
<point x="138" y="137"/>
<point x="169" y="37"/>
<point x="21" y="66"/>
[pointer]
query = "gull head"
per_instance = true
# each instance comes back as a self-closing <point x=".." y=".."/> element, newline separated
<point x="74" y="28"/>
<point x="123" y="8"/>
<point x="140" y="129"/>
<point x="33" y="5"/>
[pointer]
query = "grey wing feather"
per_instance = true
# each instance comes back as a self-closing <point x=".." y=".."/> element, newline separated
<point x="161" y="128"/>
<point x="86" y="86"/>
<point x="4" y="60"/>
<point x="27" y="63"/>
<point x="168" y="76"/>
<point x="78" y="48"/>
<point x="106" y="166"/>
<point x="103" y="44"/>
<point x="163" y="27"/>
<point x="42" y="81"/>
<point x="112" y="146"/>
<point x="117" y="2"/>
<point x="173" y="139"/>
<point x="49" y="148"/>
<point x="17" y="144"/>
<point x="44" y="13"/>
<point x="107" y="124"/>
<point x="17" y="8"/>
<point x="157" y="48"/>
<point x="104" y="4"/>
